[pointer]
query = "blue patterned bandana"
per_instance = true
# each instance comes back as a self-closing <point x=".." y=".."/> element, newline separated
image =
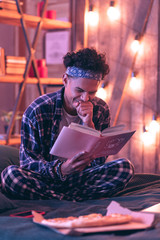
<point x="78" y="72"/>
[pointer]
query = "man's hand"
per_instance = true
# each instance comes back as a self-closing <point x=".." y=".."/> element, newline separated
<point x="76" y="164"/>
<point x="85" y="112"/>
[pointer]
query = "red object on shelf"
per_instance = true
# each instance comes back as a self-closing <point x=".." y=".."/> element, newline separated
<point x="39" y="9"/>
<point x="43" y="72"/>
<point x="41" y="62"/>
<point x="51" y="14"/>
<point x="42" y="69"/>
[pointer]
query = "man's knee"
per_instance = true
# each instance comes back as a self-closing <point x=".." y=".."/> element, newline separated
<point x="128" y="169"/>
<point x="8" y="175"/>
<point x="127" y="164"/>
<point x="123" y="167"/>
<point x="122" y="162"/>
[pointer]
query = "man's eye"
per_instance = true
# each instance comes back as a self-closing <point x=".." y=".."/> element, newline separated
<point x="80" y="90"/>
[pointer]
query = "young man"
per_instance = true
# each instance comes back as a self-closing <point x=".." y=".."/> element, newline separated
<point x="43" y="176"/>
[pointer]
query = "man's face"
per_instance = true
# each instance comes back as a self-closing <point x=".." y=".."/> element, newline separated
<point x="78" y="90"/>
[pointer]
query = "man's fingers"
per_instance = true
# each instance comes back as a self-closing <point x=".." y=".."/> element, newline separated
<point x="78" y="155"/>
<point x="80" y="165"/>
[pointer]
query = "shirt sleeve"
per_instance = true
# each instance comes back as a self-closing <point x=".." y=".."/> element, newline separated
<point x="33" y="153"/>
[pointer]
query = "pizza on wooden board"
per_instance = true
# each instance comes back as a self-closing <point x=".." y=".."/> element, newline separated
<point x="91" y="220"/>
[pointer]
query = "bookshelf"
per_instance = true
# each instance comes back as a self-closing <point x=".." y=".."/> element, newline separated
<point x="7" y="17"/>
<point x="39" y="23"/>
<point x="15" y="140"/>
<point x="29" y="80"/>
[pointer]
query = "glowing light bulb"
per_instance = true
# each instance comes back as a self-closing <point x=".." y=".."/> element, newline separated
<point x="101" y="93"/>
<point x="147" y="138"/>
<point x="113" y="12"/>
<point x="93" y="18"/>
<point x="135" y="46"/>
<point x="135" y="83"/>
<point x="154" y="125"/>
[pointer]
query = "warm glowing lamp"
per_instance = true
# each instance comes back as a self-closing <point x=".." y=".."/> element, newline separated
<point x="101" y="93"/>
<point x="147" y="137"/>
<point x="92" y="17"/>
<point x="113" y="12"/>
<point x="154" y="125"/>
<point x="135" y="46"/>
<point x="135" y="83"/>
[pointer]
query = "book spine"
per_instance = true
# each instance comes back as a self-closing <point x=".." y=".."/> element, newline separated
<point x="15" y="60"/>
<point x="8" y="6"/>
<point x="15" y="65"/>
<point x="17" y="71"/>
<point x="2" y="61"/>
<point x="9" y="1"/>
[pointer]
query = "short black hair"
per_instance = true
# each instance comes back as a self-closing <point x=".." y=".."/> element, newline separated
<point x="87" y="59"/>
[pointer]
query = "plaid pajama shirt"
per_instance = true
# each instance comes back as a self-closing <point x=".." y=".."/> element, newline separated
<point x="39" y="175"/>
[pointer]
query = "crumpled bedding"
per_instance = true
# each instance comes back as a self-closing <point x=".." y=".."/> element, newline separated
<point x="142" y="192"/>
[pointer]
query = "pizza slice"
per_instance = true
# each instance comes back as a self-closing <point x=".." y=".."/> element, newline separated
<point x="91" y="220"/>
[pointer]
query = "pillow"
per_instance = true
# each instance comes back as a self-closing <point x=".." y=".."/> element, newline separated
<point x="5" y="203"/>
<point x="8" y="156"/>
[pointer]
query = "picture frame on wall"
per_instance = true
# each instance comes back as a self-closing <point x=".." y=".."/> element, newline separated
<point x="57" y="44"/>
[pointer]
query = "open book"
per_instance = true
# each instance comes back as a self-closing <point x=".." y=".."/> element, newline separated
<point x="77" y="138"/>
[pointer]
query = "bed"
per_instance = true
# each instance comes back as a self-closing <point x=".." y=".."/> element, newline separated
<point x="142" y="192"/>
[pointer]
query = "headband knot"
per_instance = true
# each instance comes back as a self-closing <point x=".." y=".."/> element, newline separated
<point x="78" y="72"/>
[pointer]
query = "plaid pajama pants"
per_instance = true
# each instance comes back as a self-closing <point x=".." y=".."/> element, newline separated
<point x="92" y="183"/>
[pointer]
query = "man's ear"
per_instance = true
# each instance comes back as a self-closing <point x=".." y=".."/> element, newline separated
<point x="65" y="79"/>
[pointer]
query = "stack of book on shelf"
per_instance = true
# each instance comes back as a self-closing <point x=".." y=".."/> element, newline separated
<point x="15" y="65"/>
<point x="2" y="62"/>
<point x="8" y="5"/>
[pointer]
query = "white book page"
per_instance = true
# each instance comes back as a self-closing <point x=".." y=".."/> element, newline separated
<point x="116" y="133"/>
<point x="84" y="129"/>
<point x="114" y="129"/>
<point x="111" y="131"/>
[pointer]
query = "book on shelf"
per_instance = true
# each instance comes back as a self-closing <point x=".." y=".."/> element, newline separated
<point x="78" y="138"/>
<point x="9" y="5"/>
<point x="13" y="136"/>
<point x="9" y="1"/>
<point x="15" y="59"/>
<point x="17" y="71"/>
<point x="15" y="65"/>
<point x="2" y="62"/>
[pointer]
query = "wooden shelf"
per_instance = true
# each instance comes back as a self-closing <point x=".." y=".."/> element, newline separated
<point x="13" y="18"/>
<point x="24" y="21"/>
<point x="19" y="79"/>
<point x="12" y="141"/>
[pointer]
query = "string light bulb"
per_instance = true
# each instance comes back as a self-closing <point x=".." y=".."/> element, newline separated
<point x="113" y="12"/>
<point x="147" y="137"/>
<point x="92" y="16"/>
<point x="154" y="125"/>
<point x="135" y="83"/>
<point x="135" y="46"/>
<point x="101" y="93"/>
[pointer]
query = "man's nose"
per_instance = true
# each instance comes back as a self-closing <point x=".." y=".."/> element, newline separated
<point x="85" y="97"/>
